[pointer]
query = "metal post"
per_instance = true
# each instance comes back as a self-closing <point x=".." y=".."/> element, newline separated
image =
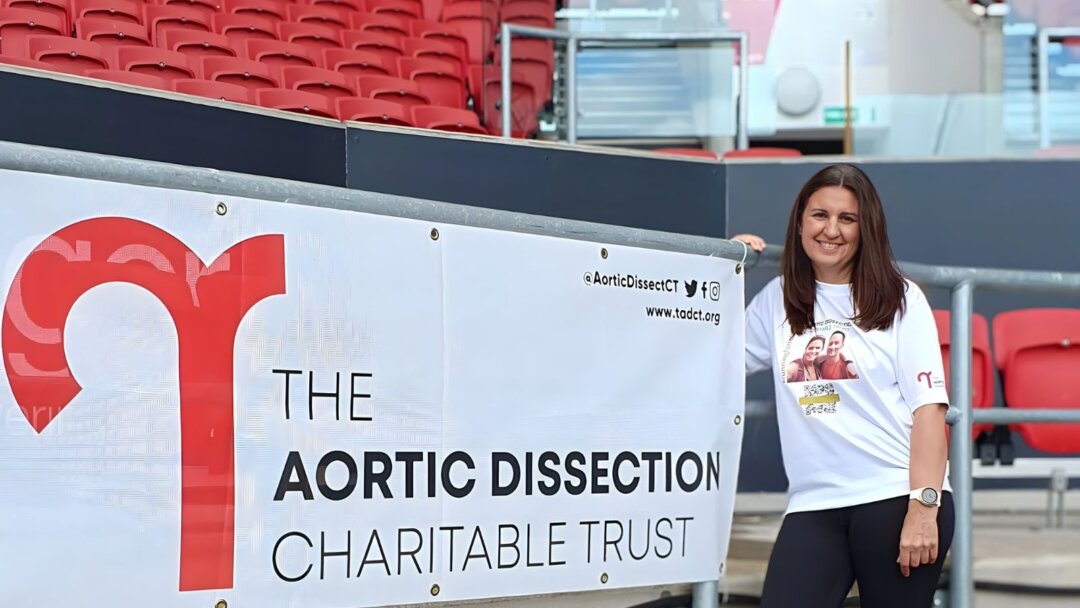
<point x="571" y="89"/>
<point x="1043" y="102"/>
<point x="505" y="82"/>
<point x="742" y="128"/>
<point x="961" y="583"/>
<point x="706" y="595"/>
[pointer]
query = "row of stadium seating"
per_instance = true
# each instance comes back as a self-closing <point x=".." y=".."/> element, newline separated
<point x="382" y="50"/>
<point x="1037" y="352"/>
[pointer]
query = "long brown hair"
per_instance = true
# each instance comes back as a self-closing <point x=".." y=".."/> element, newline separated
<point x="877" y="287"/>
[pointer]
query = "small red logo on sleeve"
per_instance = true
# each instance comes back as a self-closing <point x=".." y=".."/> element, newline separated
<point x="925" y="376"/>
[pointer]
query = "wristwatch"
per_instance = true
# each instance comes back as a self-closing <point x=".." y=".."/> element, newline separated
<point x="928" y="496"/>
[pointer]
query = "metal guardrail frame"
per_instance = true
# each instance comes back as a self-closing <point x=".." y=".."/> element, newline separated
<point x="1045" y="36"/>
<point x="962" y="281"/>
<point x="573" y="41"/>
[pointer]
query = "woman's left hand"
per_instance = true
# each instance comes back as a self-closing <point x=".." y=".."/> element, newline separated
<point x="918" y="537"/>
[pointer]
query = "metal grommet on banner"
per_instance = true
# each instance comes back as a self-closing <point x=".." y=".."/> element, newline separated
<point x="603" y="253"/>
<point x="745" y="251"/>
<point x="435" y="590"/>
<point x="604" y="578"/>
<point x="222" y="209"/>
<point x="738" y="420"/>
<point x="435" y="237"/>
<point x="221" y="604"/>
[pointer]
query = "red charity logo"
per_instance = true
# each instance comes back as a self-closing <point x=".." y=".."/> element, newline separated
<point x="206" y="302"/>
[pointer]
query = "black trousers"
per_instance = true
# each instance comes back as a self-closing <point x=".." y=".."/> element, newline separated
<point x="818" y="554"/>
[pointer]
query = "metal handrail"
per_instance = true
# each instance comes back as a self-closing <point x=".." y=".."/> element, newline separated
<point x="573" y="41"/>
<point x="1042" y="50"/>
<point x="962" y="282"/>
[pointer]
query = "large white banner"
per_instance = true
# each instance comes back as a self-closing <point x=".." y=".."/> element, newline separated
<point x="210" y="398"/>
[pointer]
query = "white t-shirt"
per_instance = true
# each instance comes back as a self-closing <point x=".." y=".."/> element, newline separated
<point x="845" y="402"/>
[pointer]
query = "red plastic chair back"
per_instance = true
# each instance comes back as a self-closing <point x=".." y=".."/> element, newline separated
<point x="377" y="111"/>
<point x="246" y="73"/>
<point x="486" y="86"/>
<point x="315" y="37"/>
<point x="537" y="14"/>
<point x="387" y="46"/>
<point x="160" y="19"/>
<point x="273" y="10"/>
<point x="23" y="62"/>
<point x="386" y="23"/>
<point x="111" y="34"/>
<point x="278" y="54"/>
<point x="328" y="83"/>
<point x="982" y="365"/>
<point x="341" y="8"/>
<point x="18" y="23"/>
<point x="198" y="45"/>
<point x="169" y="66"/>
<point x="214" y="90"/>
<point x="354" y="63"/>
<point x="444" y="85"/>
<point x="443" y="32"/>
<point x="300" y="102"/>
<point x="57" y="8"/>
<point x="241" y="27"/>
<point x="318" y="15"/>
<point x="454" y="120"/>
<point x="477" y="22"/>
<point x="67" y="55"/>
<point x="133" y="78"/>
<point x="436" y="50"/>
<point x="411" y="9"/>
<point x="1038" y="353"/>
<point x="398" y="90"/>
<point x="118" y="10"/>
<point x="206" y="7"/>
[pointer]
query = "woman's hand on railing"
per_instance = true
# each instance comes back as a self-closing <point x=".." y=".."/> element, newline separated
<point x="754" y="241"/>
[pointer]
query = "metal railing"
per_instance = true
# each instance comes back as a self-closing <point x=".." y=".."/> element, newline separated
<point x="1046" y="36"/>
<point x="962" y="281"/>
<point x="573" y="41"/>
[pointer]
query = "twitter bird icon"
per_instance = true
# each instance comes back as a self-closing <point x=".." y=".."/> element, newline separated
<point x="691" y="288"/>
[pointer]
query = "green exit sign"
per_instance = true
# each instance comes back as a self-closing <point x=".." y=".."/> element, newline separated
<point x="834" y="115"/>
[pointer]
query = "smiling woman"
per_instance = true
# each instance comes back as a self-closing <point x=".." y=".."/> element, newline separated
<point x="864" y="450"/>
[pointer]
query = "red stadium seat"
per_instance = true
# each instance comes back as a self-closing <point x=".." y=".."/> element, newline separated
<point x="241" y="27"/>
<point x="398" y="90"/>
<point x="274" y="10"/>
<point x="300" y="102"/>
<point x="385" y="23"/>
<point x="698" y="152"/>
<point x="535" y="64"/>
<point x="485" y="84"/>
<point x="343" y="8"/>
<point x="444" y="85"/>
<point x="437" y="50"/>
<point x="206" y="7"/>
<point x="317" y="15"/>
<point x="214" y="90"/>
<point x="246" y="73"/>
<point x="536" y="14"/>
<point x="133" y="78"/>
<point x="328" y="83"/>
<point x="447" y="119"/>
<point x="67" y="55"/>
<point x="388" y="47"/>
<point x="119" y="10"/>
<point x="57" y="8"/>
<point x="376" y="111"/>
<point x="160" y="19"/>
<point x="355" y="63"/>
<point x="1038" y="353"/>
<point x="982" y="366"/>
<point x="443" y="32"/>
<point x="763" y="152"/>
<point x="198" y="44"/>
<point x="313" y="36"/>
<point x="411" y="9"/>
<point x="111" y="34"/>
<point x="278" y="54"/>
<point x="477" y="22"/>
<point x="18" y="23"/>
<point x="170" y="66"/>
<point x="23" y="62"/>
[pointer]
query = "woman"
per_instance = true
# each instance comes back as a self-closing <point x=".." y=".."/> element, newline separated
<point x="866" y="474"/>
<point x="804" y="369"/>
<point x="833" y="365"/>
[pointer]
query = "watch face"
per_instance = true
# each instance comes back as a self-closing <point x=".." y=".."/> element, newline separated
<point x="929" y="496"/>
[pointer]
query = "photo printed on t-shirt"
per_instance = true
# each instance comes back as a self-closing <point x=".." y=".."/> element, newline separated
<point x="820" y="354"/>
